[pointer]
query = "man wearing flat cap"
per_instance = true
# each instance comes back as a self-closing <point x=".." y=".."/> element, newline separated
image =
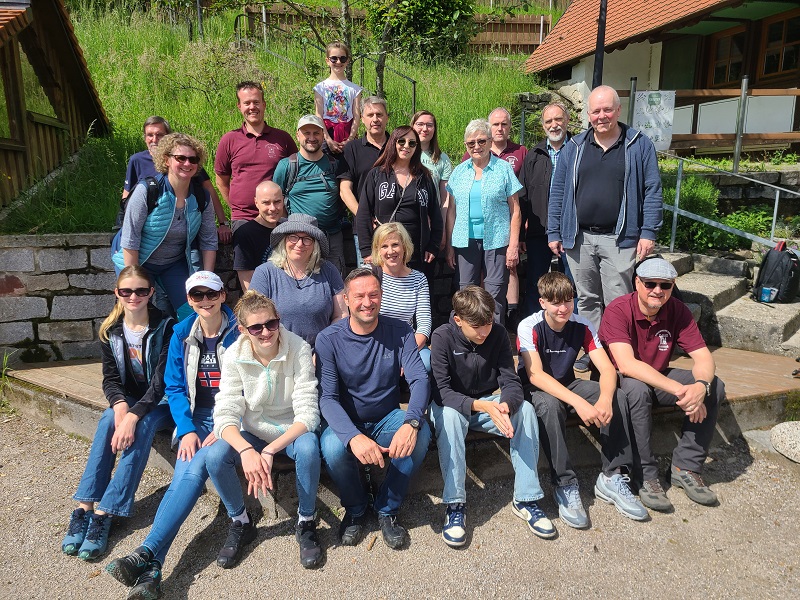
<point x="641" y="330"/>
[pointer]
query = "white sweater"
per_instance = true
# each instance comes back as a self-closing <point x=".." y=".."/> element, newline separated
<point x="266" y="401"/>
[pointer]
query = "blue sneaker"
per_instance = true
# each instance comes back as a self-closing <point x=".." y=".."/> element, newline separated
<point x="615" y="490"/>
<point x="537" y="521"/>
<point x="76" y="532"/>
<point x="96" y="537"/>
<point x="570" y="507"/>
<point x="453" y="532"/>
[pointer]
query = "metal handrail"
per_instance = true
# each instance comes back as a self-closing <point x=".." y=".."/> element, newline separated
<point x="237" y="30"/>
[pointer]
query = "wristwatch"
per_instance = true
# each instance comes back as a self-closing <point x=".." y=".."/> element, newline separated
<point x="224" y="224"/>
<point x="705" y="383"/>
<point x="414" y="423"/>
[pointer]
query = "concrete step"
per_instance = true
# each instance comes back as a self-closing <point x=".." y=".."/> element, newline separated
<point x="750" y="325"/>
<point x="722" y="266"/>
<point x="683" y="262"/>
<point x="711" y="292"/>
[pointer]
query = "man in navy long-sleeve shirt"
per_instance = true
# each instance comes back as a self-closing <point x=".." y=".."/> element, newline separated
<point x="359" y="362"/>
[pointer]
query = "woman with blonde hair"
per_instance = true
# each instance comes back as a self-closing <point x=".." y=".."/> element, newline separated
<point x="134" y="343"/>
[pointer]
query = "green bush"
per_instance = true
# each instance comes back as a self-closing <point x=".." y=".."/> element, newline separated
<point x="425" y="30"/>
<point x="756" y="220"/>
<point x="699" y="196"/>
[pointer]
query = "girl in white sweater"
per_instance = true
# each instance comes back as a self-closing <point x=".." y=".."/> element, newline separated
<point x="267" y="404"/>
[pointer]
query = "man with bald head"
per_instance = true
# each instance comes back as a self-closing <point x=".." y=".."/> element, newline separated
<point x="251" y="240"/>
<point x="605" y="206"/>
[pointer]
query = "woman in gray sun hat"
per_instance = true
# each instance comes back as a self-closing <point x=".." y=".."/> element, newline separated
<point x="307" y="290"/>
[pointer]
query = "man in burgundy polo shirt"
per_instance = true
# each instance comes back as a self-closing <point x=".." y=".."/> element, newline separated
<point x="640" y="330"/>
<point x="248" y="155"/>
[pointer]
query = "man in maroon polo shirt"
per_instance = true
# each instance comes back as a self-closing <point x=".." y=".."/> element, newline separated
<point x="640" y="330"/>
<point x="248" y="155"/>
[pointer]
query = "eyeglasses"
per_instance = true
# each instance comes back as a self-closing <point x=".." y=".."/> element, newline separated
<point x="651" y="285"/>
<point x="257" y="328"/>
<point x="198" y="296"/>
<point x="182" y="159"/>
<point x="402" y="142"/>
<point x="305" y="240"/>
<point x="140" y="292"/>
<point x="424" y="125"/>
<point x="341" y="59"/>
<point x="471" y="143"/>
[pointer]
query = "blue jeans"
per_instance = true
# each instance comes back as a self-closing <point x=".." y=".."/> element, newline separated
<point x="170" y="280"/>
<point x="181" y="496"/>
<point x="451" y="431"/>
<point x="222" y="460"/>
<point x="343" y="467"/>
<point x="115" y="495"/>
<point x="425" y="357"/>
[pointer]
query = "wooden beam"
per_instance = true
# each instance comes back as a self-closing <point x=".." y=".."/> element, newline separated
<point x="726" y="93"/>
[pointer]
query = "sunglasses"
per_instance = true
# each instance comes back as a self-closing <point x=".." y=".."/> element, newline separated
<point x="128" y="292"/>
<point x="198" y="296"/>
<point x="293" y="239"/>
<point x="471" y="143"/>
<point x="341" y="59"/>
<point x="651" y="285"/>
<point x="404" y="142"/>
<point x="182" y="159"/>
<point x="257" y="328"/>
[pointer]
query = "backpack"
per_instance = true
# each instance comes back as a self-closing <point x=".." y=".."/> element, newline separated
<point x="154" y="192"/>
<point x="294" y="169"/>
<point x="779" y="276"/>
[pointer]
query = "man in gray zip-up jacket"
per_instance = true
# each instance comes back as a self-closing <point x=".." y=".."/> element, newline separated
<point x="605" y="206"/>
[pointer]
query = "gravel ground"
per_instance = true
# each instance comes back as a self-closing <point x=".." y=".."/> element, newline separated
<point x="745" y="548"/>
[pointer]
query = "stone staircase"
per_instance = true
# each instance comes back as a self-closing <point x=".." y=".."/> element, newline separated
<point x="718" y="292"/>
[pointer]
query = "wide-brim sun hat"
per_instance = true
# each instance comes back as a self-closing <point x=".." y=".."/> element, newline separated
<point x="300" y="223"/>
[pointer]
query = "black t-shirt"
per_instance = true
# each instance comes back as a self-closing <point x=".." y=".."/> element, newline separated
<point x="360" y="156"/>
<point x="601" y="183"/>
<point x="208" y="374"/>
<point x="251" y="246"/>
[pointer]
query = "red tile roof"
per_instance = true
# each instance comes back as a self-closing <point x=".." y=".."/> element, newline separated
<point x="12" y="21"/>
<point x="575" y="34"/>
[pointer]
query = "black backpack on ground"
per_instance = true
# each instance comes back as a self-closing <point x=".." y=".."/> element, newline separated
<point x="154" y="192"/>
<point x="780" y="270"/>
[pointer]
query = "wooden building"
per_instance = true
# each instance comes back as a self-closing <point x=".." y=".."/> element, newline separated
<point x="48" y="103"/>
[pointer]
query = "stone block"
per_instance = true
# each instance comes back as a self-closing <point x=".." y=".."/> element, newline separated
<point x="17" y="259"/>
<point x="72" y="350"/>
<point x="93" y="281"/>
<point x="13" y="333"/>
<point x="11" y="285"/>
<point x="790" y="178"/>
<point x="757" y="191"/>
<point x="100" y="258"/>
<point x="46" y="283"/>
<point x="66" y="331"/>
<point x="730" y="192"/>
<point x="730" y="180"/>
<point x="22" y="308"/>
<point x="55" y="259"/>
<point x="67" y="308"/>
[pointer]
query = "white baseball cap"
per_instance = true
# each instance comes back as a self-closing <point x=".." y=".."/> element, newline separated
<point x="205" y="279"/>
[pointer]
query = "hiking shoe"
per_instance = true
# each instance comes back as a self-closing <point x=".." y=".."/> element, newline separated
<point x="96" y="537"/>
<point x="239" y="535"/>
<point x="76" y="532"/>
<point x="653" y="496"/>
<point x="453" y="532"/>
<point x="570" y="507"/>
<point x="148" y="585"/>
<point x="393" y="534"/>
<point x="693" y="485"/>
<point x="615" y="490"/>
<point x="127" y="569"/>
<point x="537" y="521"/>
<point x="351" y="530"/>
<point x="583" y="364"/>
<point x="310" y="552"/>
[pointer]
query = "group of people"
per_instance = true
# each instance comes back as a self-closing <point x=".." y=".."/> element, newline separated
<point x="314" y="360"/>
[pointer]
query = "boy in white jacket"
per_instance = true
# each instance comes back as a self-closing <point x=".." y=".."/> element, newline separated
<point x="268" y="388"/>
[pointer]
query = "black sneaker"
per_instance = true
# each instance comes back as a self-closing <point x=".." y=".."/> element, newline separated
<point x="148" y="585"/>
<point x="239" y="535"/>
<point x="351" y="530"/>
<point x="393" y="534"/>
<point x="310" y="552"/>
<point x="128" y="569"/>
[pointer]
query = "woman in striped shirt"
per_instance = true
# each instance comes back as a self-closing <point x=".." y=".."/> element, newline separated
<point x="405" y="290"/>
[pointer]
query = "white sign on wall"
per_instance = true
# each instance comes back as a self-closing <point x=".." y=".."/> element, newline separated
<point x="653" y="115"/>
